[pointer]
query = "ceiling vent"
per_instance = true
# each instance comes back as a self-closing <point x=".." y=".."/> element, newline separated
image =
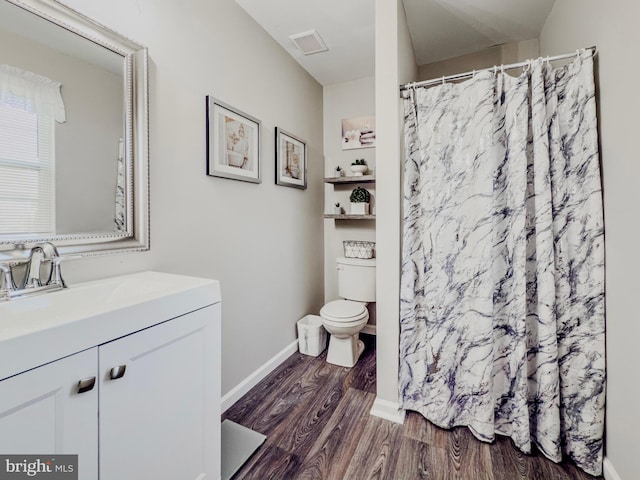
<point x="309" y="42"/>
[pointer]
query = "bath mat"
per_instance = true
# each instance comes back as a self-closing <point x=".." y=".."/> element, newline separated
<point x="238" y="444"/>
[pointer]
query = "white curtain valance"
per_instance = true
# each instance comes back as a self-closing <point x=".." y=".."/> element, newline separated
<point x="42" y="94"/>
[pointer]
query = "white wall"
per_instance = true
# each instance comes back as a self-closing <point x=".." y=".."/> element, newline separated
<point x="395" y="65"/>
<point x="498" y="55"/>
<point x="612" y="27"/>
<point x="344" y="100"/>
<point x="263" y="242"/>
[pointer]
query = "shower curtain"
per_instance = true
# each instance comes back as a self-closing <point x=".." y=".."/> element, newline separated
<point x="502" y="294"/>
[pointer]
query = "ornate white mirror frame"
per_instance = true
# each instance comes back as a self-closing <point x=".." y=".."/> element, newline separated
<point x="135" y="236"/>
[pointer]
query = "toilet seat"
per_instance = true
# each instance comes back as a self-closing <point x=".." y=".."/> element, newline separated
<point x="344" y="312"/>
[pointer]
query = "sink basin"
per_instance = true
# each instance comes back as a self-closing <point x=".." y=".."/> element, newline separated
<point x="34" y="330"/>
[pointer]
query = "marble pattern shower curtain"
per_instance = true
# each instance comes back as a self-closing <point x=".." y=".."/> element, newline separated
<point x="502" y="295"/>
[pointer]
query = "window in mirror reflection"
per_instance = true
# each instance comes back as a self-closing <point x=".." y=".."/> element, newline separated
<point x="86" y="145"/>
<point x="29" y="106"/>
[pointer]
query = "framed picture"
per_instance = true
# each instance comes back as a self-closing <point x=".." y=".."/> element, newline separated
<point x="291" y="160"/>
<point x="233" y="143"/>
<point x="358" y="132"/>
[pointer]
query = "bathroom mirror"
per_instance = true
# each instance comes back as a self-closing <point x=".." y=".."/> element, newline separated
<point x="75" y="174"/>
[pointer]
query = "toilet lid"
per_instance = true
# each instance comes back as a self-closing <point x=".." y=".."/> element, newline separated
<point x="343" y="309"/>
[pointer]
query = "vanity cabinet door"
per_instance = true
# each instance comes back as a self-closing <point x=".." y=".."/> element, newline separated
<point x="159" y="397"/>
<point x="42" y="411"/>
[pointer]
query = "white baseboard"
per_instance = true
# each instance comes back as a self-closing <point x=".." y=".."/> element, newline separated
<point x="608" y="471"/>
<point x="252" y="380"/>
<point x="388" y="410"/>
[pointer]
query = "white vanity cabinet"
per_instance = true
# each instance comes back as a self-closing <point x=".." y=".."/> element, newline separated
<point x="41" y="411"/>
<point x="156" y="421"/>
<point x="154" y="410"/>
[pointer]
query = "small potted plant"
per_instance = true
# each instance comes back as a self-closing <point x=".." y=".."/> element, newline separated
<point x="337" y="209"/>
<point x="360" y="201"/>
<point x="338" y="171"/>
<point x="358" y="167"/>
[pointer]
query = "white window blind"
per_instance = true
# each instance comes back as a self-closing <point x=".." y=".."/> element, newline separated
<point x="27" y="151"/>
<point x="27" y="186"/>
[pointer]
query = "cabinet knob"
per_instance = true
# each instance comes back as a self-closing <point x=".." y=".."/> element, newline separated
<point x="117" y="372"/>
<point x="86" y="384"/>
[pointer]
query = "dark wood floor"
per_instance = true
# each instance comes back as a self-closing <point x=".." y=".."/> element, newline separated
<point x="316" y="419"/>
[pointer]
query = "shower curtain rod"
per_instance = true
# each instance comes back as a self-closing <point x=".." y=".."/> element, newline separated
<point x="460" y="76"/>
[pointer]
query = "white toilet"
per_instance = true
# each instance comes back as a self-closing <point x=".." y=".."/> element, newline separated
<point x="344" y="319"/>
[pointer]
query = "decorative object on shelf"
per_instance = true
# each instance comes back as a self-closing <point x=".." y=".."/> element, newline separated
<point x="358" y="132"/>
<point x="233" y="143"/>
<point x="337" y="208"/>
<point x="359" y="199"/>
<point x="358" y="167"/>
<point x="338" y="171"/>
<point x="358" y="249"/>
<point x="291" y="160"/>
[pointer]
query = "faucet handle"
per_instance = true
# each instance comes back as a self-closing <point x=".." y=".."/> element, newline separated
<point x="6" y="282"/>
<point x="56" y="271"/>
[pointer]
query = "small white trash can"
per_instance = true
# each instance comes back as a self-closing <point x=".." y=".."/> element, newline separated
<point x="312" y="337"/>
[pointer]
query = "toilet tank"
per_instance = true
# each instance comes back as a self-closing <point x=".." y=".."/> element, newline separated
<point x="357" y="279"/>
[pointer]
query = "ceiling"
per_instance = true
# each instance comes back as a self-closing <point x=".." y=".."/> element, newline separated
<point x="439" y="29"/>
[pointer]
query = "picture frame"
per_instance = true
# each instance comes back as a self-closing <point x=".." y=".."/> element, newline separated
<point x="291" y="160"/>
<point x="358" y="132"/>
<point x="233" y="142"/>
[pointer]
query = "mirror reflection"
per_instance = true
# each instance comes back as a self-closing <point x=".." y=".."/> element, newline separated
<point x="62" y="131"/>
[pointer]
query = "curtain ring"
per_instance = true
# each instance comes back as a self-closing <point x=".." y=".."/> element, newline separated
<point x="443" y="82"/>
<point x="414" y="102"/>
<point x="473" y="74"/>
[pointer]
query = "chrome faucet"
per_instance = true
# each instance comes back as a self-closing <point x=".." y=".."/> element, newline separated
<point x="33" y="283"/>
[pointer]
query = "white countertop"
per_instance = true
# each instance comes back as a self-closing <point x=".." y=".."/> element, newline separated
<point x="43" y="328"/>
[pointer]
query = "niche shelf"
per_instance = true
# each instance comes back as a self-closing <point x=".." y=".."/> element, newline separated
<point x="351" y="179"/>
<point x="348" y="216"/>
<point x="347" y="180"/>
